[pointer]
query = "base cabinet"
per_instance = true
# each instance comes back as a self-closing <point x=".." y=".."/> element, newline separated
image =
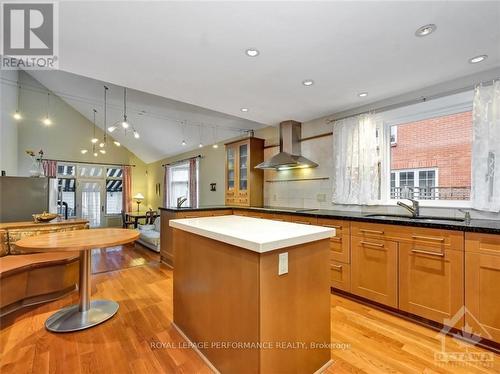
<point x="431" y="282"/>
<point x="482" y="282"/>
<point x="374" y="270"/>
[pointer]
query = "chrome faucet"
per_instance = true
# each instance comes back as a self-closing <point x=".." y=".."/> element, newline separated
<point x="181" y="200"/>
<point x="414" y="209"/>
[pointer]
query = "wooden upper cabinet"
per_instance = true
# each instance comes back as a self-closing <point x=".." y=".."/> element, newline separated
<point x="244" y="183"/>
<point x="431" y="281"/>
<point x="482" y="280"/>
<point x="374" y="270"/>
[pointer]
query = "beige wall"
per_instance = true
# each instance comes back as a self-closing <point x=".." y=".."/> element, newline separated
<point x="63" y="140"/>
<point x="212" y="167"/>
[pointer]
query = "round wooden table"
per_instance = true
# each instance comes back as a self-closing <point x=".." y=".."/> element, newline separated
<point x="86" y="313"/>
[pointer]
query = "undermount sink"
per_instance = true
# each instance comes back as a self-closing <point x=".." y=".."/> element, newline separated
<point x="419" y="218"/>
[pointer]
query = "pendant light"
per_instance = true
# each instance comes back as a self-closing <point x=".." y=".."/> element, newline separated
<point x="125" y="124"/>
<point x="183" y="129"/>
<point x="17" y="115"/>
<point x="46" y="121"/>
<point x="105" y="136"/>
<point x="94" y="139"/>
<point x="200" y="145"/>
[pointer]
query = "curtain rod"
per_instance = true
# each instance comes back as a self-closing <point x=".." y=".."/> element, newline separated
<point x="418" y="100"/>
<point x="184" y="159"/>
<point x="88" y="163"/>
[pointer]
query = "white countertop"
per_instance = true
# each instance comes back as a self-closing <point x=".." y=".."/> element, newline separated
<point x="255" y="234"/>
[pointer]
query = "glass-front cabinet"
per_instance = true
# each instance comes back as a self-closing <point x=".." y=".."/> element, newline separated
<point x="244" y="183"/>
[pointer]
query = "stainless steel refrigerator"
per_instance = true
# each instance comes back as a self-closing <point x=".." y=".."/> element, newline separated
<point x="20" y="197"/>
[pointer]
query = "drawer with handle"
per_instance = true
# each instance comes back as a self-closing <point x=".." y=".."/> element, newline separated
<point x="340" y="243"/>
<point x="340" y="276"/>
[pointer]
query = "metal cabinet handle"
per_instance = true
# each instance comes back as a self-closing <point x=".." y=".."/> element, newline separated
<point x="371" y="231"/>
<point x="418" y="237"/>
<point x="338" y="267"/>
<point x="424" y="252"/>
<point x="373" y="244"/>
<point x="335" y="239"/>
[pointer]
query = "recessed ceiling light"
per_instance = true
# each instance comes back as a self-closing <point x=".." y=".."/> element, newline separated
<point x="252" y="52"/>
<point x="308" y="82"/>
<point x="215" y="146"/>
<point x="83" y="151"/>
<point x="363" y="94"/>
<point x="477" y="59"/>
<point x="425" y="30"/>
<point x="244" y="109"/>
<point x="117" y="143"/>
<point x="103" y="151"/>
<point x="200" y="145"/>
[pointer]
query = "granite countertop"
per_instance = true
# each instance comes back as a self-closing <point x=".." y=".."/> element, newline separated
<point x="475" y="225"/>
<point x="257" y="235"/>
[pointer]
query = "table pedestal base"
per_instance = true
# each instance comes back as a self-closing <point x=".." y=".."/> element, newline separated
<point x="71" y="319"/>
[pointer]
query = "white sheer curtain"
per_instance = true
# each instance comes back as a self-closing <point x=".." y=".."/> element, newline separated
<point x="485" y="194"/>
<point x="356" y="160"/>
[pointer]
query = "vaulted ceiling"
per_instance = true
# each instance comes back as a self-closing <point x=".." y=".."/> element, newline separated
<point x="194" y="52"/>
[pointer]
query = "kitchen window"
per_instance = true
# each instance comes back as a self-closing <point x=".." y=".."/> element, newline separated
<point x="429" y="152"/>
<point x="66" y="189"/>
<point x="183" y="179"/>
<point x="179" y="183"/>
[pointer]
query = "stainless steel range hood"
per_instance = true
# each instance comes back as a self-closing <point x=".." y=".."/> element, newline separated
<point x="289" y="156"/>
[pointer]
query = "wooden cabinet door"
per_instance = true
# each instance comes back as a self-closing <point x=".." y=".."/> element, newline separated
<point x="374" y="270"/>
<point x="431" y="281"/>
<point x="482" y="284"/>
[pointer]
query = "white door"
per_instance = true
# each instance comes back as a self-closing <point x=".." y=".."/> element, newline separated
<point x="90" y="201"/>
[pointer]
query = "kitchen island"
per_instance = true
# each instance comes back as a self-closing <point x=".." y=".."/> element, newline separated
<point x="253" y="295"/>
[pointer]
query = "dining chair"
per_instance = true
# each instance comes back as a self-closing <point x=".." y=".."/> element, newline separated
<point x="126" y="223"/>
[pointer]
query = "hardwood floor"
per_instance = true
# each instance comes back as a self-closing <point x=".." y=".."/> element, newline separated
<point x="141" y="338"/>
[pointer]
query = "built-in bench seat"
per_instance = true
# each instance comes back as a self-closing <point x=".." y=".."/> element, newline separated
<point x="32" y="278"/>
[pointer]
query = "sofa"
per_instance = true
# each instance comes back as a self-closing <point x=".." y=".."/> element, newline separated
<point x="32" y="278"/>
<point x="149" y="235"/>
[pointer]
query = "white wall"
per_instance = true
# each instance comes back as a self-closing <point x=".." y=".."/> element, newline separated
<point x="8" y="125"/>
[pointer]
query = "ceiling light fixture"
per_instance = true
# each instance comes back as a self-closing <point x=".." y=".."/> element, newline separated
<point x="183" y="143"/>
<point x="244" y="109"/>
<point x="425" y="30"/>
<point x="214" y="134"/>
<point x="478" y="59"/>
<point x="96" y="154"/>
<point x="117" y="143"/>
<point x="200" y="145"/>
<point x="111" y="128"/>
<point x="136" y="134"/>
<point x="83" y="151"/>
<point x="105" y="137"/>
<point x="125" y="124"/>
<point x="46" y="121"/>
<point x="308" y="82"/>
<point x="363" y="94"/>
<point x="103" y="151"/>
<point x="94" y="139"/>
<point x="17" y="115"/>
<point x="252" y="52"/>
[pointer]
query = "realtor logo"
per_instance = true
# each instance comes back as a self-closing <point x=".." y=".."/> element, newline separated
<point x="29" y="38"/>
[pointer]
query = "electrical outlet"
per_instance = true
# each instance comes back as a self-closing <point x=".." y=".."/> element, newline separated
<point x="321" y="198"/>
<point x="283" y="263"/>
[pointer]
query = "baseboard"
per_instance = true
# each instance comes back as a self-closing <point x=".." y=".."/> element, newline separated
<point x="198" y="352"/>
